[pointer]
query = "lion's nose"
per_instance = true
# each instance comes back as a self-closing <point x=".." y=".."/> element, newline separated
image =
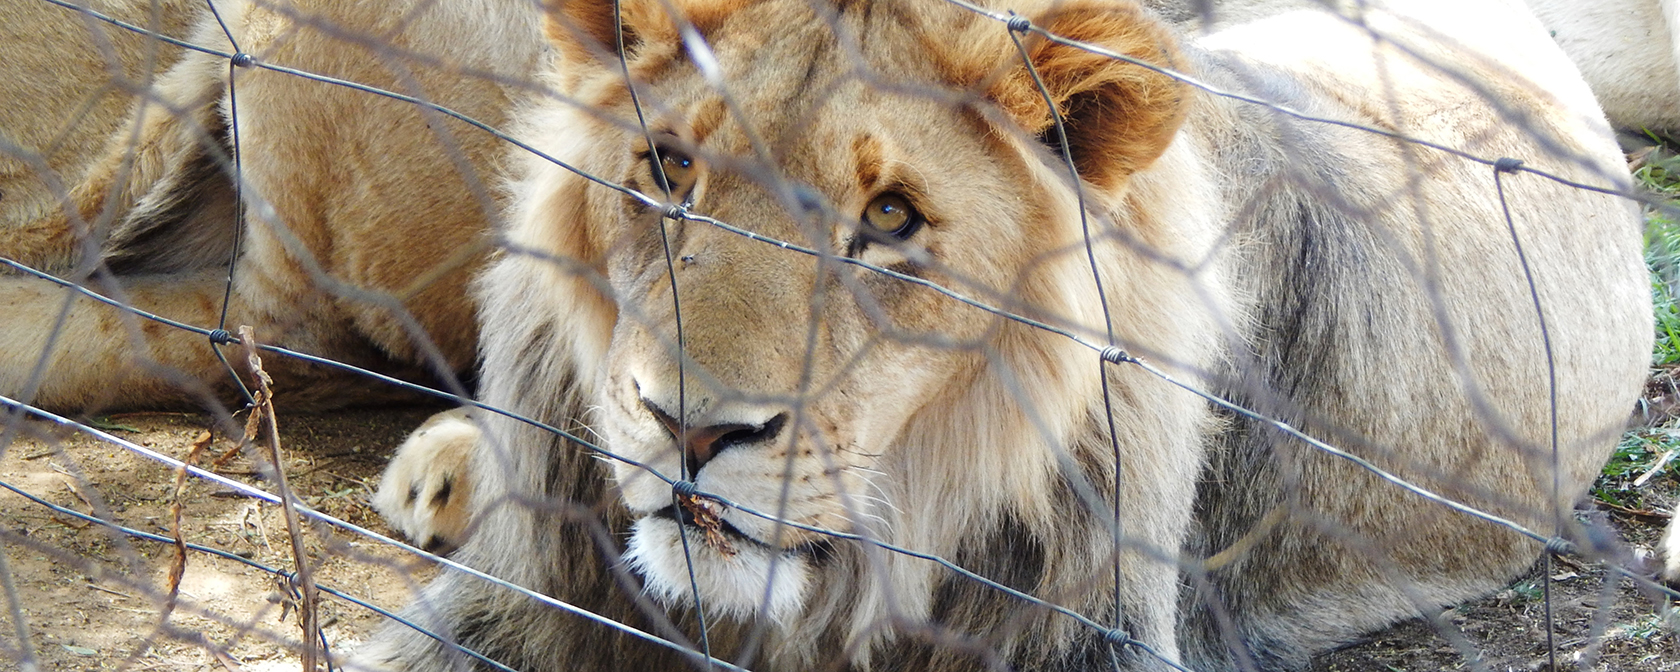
<point x="700" y="444"/>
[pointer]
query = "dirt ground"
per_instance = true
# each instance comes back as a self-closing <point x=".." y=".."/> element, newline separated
<point x="91" y="599"/>
<point x="1603" y="622"/>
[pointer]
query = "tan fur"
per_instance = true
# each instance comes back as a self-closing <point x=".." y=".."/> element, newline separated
<point x="1627" y="52"/>
<point x="1296" y="268"/>
<point x="69" y="81"/>
<point x="1625" y="49"/>
<point x="364" y="215"/>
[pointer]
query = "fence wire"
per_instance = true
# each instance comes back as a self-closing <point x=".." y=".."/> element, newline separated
<point x="330" y="551"/>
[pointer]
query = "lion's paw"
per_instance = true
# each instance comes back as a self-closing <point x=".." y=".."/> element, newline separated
<point x="1671" y="550"/>
<point x="426" y="490"/>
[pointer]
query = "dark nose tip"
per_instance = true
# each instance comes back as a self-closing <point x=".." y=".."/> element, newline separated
<point x="701" y="444"/>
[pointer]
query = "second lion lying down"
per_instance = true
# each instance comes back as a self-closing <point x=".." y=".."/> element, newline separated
<point x="1362" y="289"/>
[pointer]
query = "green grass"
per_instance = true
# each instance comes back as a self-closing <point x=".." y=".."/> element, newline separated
<point x="1640" y="448"/>
<point x="1662" y="256"/>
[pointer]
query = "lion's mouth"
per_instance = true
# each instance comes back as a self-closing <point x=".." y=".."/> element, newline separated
<point x="685" y="560"/>
<point x="715" y="531"/>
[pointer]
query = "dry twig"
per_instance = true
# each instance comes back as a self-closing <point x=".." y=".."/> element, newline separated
<point x="263" y="418"/>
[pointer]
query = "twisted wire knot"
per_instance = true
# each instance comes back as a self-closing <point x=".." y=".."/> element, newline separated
<point x="1019" y="24"/>
<point x="222" y="337"/>
<point x="684" y="488"/>
<point x="289" y="582"/>
<point x="243" y="60"/>
<point x="1117" y="355"/>
<point x="674" y="211"/>
<point x="1117" y="637"/>
<point x="1560" y="546"/>
<point x="1507" y="165"/>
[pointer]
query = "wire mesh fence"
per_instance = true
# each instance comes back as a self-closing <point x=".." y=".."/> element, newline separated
<point x="809" y="335"/>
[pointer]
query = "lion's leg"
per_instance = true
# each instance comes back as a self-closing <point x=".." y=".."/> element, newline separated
<point x="538" y="523"/>
<point x="104" y="356"/>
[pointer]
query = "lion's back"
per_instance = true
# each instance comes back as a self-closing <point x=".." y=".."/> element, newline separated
<point x="1396" y="317"/>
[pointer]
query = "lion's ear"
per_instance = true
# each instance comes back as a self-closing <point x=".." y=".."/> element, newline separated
<point x="588" y="30"/>
<point x="1119" y="116"/>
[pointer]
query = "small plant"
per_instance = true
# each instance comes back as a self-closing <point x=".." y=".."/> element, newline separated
<point x="1636" y="454"/>
<point x="1642" y="628"/>
<point x="1527" y="590"/>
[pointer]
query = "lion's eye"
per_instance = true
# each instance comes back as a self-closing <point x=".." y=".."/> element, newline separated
<point x="675" y="171"/>
<point x="891" y="214"/>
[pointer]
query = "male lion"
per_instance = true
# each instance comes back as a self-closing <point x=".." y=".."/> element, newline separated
<point x="1625" y="50"/>
<point x="1361" y="288"/>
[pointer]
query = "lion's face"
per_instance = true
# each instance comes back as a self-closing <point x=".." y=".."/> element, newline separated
<point x="801" y="374"/>
<point x="804" y="387"/>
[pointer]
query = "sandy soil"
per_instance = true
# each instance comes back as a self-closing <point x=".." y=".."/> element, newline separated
<point x="1603" y="622"/>
<point x="91" y="599"/>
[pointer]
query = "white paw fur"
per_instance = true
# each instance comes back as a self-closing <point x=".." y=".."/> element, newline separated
<point x="1671" y="550"/>
<point x="426" y="491"/>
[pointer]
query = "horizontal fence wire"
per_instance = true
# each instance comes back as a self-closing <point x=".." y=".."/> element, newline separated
<point x="1107" y="352"/>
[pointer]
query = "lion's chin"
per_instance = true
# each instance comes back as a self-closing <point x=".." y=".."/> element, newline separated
<point x="739" y="581"/>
